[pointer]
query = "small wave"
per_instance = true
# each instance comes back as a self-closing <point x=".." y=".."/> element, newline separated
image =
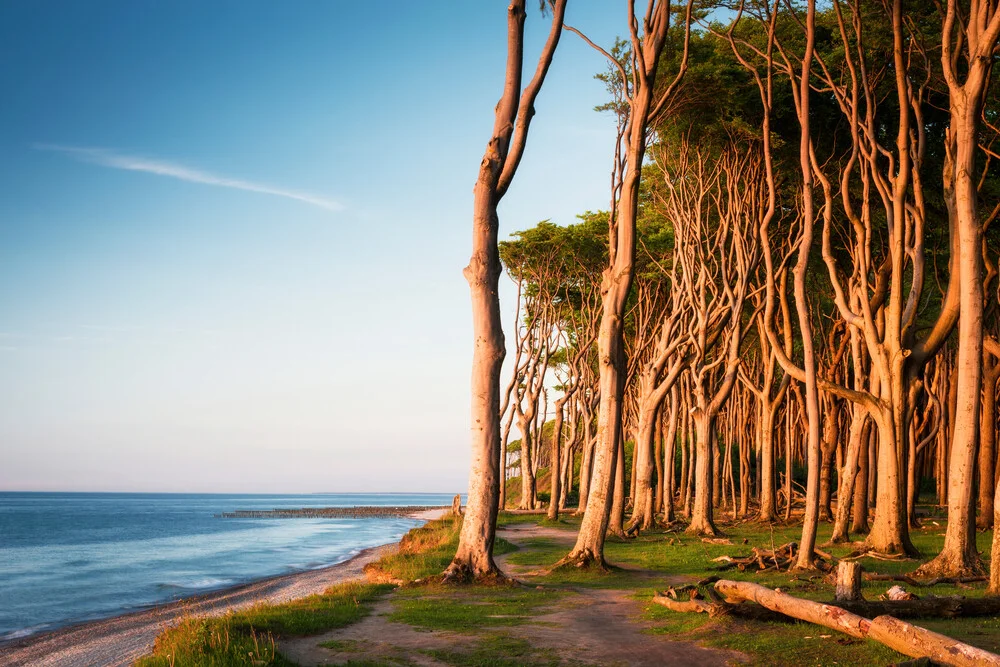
<point x="22" y="633"/>
<point x="206" y="582"/>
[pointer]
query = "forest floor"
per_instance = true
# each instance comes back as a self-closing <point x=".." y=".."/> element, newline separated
<point x="580" y="617"/>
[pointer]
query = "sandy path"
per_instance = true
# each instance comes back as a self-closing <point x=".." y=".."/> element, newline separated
<point x="122" y="639"/>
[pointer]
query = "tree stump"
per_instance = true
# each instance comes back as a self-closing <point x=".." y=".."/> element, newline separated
<point x="456" y="505"/>
<point x="848" y="582"/>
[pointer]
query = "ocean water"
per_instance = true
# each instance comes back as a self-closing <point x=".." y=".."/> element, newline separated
<point x="68" y="557"/>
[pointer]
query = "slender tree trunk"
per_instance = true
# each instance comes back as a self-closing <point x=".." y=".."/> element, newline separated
<point x="586" y="467"/>
<point x="849" y="475"/>
<point x="859" y="507"/>
<point x="988" y="437"/>
<point x="555" y="472"/>
<point x="959" y="555"/>
<point x="829" y="450"/>
<point x="658" y="459"/>
<point x="768" y="489"/>
<point x="616" y="520"/>
<point x="617" y="283"/>
<point x="670" y="447"/>
<point x="474" y="555"/>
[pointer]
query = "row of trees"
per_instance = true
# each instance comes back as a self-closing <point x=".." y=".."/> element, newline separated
<point x="796" y="270"/>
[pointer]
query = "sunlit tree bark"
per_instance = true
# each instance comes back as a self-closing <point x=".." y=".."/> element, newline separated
<point x="643" y="101"/>
<point x="474" y="556"/>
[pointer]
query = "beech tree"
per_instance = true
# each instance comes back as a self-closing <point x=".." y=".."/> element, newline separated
<point x="643" y="101"/>
<point x="474" y="557"/>
<point x="970" y="36"/>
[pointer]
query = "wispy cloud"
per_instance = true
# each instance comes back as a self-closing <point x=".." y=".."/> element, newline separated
<point x="108" y="158"/>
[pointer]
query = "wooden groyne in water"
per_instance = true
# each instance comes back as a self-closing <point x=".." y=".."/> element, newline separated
<point x="366" y="512"/>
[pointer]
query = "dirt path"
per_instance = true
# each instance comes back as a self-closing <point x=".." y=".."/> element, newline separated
<point x="587" y="626"/>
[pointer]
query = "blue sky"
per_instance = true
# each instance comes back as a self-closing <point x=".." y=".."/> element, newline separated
<point x="232" y="235"/>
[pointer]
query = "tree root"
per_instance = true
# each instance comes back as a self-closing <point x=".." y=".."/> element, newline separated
<point x="583" y="560"/>
<point x="952" y="565"/>
<point x="463" y="573"/>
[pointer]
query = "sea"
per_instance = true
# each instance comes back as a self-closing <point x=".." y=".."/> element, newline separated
<point x="71" y="557"/>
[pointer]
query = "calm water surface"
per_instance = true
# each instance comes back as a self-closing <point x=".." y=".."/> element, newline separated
<point x="67" y="557"/>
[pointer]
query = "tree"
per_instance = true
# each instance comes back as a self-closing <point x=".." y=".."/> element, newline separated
<point x="640" y="96"/>
<point x="976" y="41"/>
<point x="474" y="556"/>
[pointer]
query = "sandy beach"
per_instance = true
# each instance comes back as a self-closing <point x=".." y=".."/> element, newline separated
<point x="120" y="640"/>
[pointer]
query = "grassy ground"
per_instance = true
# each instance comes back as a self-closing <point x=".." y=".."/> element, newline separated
<point x="248" y="637"/>
<point x="766" y="643"/>
<point x="488" y="620"/>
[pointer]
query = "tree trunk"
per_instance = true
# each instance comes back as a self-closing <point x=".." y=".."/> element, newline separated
<point x="987" y="446"/>
<point x="555" y="472"/>
<point x="849" y="475"/>
<point x="528" y="492"/>
<point x="642" y="499"/>
<point x="903" y="637"/>
<point x="959" y="555"/>
<point x="658" y="459"/>
<point x="586" y="468"/>
<point x="701" y="515"/>
<point x="848" y="581"/>
<point x="889" y="532"/>
<point x="768" y="488"/>
<point x="670" y="447"/>
<point x="616" y="520"/>
<point x="617" y="283"/>
<point x="474" y="555"/>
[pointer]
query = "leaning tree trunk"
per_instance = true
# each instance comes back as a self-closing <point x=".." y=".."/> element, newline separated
<point x="849" y="475"/>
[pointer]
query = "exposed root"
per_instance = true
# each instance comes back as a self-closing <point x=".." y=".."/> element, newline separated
<point x="950" y="564"/>
<point x="584" y="559"/>
<point x="782" y="559"/>
<point x="464" y="573"/>
<point x="705" y="529"/>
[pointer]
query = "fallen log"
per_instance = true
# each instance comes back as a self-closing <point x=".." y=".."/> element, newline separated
<point x="899" y="635"/>
<point x="691" y="606"/>
<point x="751" y="612"/>
<point x="907" y="579"/>
<point x="935" y="607"/>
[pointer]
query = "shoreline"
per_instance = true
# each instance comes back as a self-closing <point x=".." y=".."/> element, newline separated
<point x="121" y="639"/>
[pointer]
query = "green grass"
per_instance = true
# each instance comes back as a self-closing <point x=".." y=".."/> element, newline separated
<point x="470" y="609"/>
<point x="499" y="650"/>
<point x="248" y="637"/>
<point x="676" y="555"/>
<point x="426" y="551"/>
